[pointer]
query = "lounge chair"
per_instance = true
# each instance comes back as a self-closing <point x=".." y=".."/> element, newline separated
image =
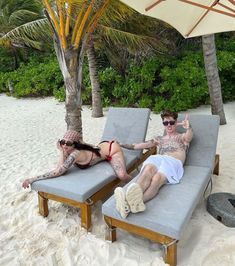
<point x="83" y="188"/>
<point x="168" y="213"/>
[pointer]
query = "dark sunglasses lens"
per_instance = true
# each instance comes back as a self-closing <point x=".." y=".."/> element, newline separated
<point x="62" y="142"/>
<point x="69" y="143"/>
<point x="165" y="123"/>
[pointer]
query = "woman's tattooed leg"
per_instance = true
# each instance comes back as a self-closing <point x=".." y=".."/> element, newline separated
<point x="119" y="167"/>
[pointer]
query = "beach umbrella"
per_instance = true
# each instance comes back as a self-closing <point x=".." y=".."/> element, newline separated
<point x="190" y="17"/>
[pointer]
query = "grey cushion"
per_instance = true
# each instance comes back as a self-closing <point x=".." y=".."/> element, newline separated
<point x="203" y="146"/>
<point x="127" y="125"/>
<point x="79" y="185"/>
<point x="170" y="210"/>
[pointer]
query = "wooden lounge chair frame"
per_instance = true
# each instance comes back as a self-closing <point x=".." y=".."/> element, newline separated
<point x="169" y="235"/>
<point x="122" y="124"/>
<point x="169" y="244"/>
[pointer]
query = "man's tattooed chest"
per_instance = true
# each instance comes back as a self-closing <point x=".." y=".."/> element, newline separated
<point x="171" y="145"/>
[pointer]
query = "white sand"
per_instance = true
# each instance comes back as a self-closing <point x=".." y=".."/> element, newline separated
<point x="29" y="129"/>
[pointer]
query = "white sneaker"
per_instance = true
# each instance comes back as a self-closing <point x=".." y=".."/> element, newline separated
<point x="121" y="203"/>
<point x="134" y="197"/>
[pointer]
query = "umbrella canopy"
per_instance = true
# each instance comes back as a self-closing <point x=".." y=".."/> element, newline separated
<point x="190" y="17"/>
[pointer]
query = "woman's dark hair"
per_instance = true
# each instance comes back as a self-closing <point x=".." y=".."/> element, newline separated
<point x="86" y="147"/>
<point x="167" y="113"/>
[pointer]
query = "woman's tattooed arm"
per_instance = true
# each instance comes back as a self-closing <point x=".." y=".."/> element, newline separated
<point x="60" y="170"/>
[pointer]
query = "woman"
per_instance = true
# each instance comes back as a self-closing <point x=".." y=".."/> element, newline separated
<point x="82" y="155"/>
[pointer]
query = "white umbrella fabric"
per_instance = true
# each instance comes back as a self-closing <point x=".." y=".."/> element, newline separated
<point x="190" y="17"/>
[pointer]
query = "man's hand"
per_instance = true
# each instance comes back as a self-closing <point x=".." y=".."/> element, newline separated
<point x="185" y="123"/>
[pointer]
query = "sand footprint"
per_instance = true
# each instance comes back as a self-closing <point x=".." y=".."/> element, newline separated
<point x="224" y="255"/>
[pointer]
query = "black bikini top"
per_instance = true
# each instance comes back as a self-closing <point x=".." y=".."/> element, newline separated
<point x="107" y="158"/>
<point x="85" y="166"/>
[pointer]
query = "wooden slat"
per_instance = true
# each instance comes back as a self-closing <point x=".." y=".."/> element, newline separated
<point x="171" y="250"/>
<point x="216" y="165"/>
<point x="43" y="205"/>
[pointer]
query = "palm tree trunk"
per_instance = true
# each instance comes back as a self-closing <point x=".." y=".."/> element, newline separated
<point x="71" y="68"/>
<point x="96" y="97"/>
<point x="213" y="80"/>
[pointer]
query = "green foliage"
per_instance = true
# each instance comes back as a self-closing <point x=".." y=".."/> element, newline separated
<point x="177" y="83"/>
<point x="86" y="90"/>
<point x="6" y="63"/>
<point x="34" y="79"/>
<point x="183" y="86"/>
<point x="226" y="65"/>
<point x="59" y="94"/>
<point x="129" y="90"/>
<point x="225" y="41"/>
<point x="110" y="80"/>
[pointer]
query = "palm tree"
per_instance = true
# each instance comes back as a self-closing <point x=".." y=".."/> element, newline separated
<point x="96" y="96"/>
<point x="210" y="59"/>
<point x="134" y="37"/>
<point x="73" y="23"/>
<point x="13" y="14"/>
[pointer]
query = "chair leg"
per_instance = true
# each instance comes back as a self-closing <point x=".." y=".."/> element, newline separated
<point x="86" y="216"/>
<point x="171" y="254"/>
<point x="111" y="234"/>
<point x="43" y="205"/>
<point x="216" y="165"/>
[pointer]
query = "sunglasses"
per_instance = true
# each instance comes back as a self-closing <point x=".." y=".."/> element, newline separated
<point x="166" y="123"/>
<point x="67" y="143"/>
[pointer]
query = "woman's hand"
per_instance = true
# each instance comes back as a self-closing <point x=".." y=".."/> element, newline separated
<point x="58" y="145"/>
<point x="26" y="183"/>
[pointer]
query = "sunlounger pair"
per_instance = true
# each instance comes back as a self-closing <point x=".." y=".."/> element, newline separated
<point x="168" y="213"/>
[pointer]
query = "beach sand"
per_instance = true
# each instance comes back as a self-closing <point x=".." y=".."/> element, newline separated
<point x="29" y="129"/>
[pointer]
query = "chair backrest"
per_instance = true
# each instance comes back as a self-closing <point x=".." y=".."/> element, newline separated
<point x="126" y="125"/>
<point x="203" y="145"/>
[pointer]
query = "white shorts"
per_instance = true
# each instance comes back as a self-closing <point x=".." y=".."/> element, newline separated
<point x="169" y="166"/>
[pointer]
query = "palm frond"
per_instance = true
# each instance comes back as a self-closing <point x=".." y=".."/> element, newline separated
<point x="22" y="16"/>
<point x="32" y="34"/>
<point x="116" y="12"/>
<point x="132" y="41"/>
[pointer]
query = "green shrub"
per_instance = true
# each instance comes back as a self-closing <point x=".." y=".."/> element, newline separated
<point x="4" y="83"/>
<point x="6" y="60"/>
<point x="184" y="86"/>
<point x="176" y="83"/>
<point x="226" y="65"/>
<point x="34" y="79"/>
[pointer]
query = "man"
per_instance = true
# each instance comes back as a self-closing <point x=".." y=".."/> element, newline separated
<point x="164" y="168"/>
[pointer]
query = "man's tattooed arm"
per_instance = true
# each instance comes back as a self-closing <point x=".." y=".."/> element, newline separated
<point x="188" y="135"/>
<point x="139" y="146"/>
<point x="60" y="170"/>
